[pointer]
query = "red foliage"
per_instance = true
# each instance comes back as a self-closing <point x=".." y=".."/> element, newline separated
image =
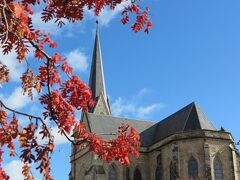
<point x="142" y="18"/>
<point x="60" y="98"/>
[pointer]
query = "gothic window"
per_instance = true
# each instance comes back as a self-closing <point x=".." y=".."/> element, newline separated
<point x="112" y="173"/>
<point x="158" y="172"/>
<point x="94" y="175"/>
<point x="128" y="173"/>
<point x="172" y="172"/>
<point x="218" y="171"/>
<point x="192" y="168"/>
<point x="137" y="175"/>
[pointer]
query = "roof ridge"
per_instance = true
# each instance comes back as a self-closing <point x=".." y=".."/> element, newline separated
<point x="192" y="104"/>
<point x="198" y="109"/>
<point x="166" y="118"/>
<point x="198" y="115"/>
<point x="122" y="118"/>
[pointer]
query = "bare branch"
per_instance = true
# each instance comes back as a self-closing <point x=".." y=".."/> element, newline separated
<point x="18" y="112"/>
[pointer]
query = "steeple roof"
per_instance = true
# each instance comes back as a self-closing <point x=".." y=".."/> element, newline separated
<point x="96" y="81"/>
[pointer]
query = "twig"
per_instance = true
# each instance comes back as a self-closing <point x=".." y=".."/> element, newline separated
<point x="6" y="22"/>
<point x="106" y="134"/>
<point x="18" y="112"/>
<point x="49" y="89"/>
<point x="15" y="152"/>
<point x="27" y="115"/>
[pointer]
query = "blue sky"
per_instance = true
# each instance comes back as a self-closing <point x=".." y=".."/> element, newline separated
<point x="191" y="54"/>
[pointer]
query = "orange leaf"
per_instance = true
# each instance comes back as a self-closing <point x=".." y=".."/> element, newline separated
<point x="18" y="10"/>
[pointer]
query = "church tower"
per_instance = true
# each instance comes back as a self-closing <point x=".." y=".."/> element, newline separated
<point x="184" y="145"/>
<point x="94" y="169"/>
<point x="97" y="82"/>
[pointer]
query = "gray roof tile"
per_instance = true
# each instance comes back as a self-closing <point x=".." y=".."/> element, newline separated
<point x="188" y="118"/>
<point x="104" y="125"/>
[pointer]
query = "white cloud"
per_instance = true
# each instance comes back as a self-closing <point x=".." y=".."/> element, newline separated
<point x="46" y="27"/>
<point x="33" y="109"/>
<point x="16" y="69"/>
<point x="143" y="92"/>
<point x="77" y="60"/>
<point x="51" y="27"/>
<point x="133" y="107"/>
<point x="16" y="100"/>
<point x="146" y="110"/>
<point x="14" y="170"/>
<point x="107" y="15"/>
<point x="58" y="138"/>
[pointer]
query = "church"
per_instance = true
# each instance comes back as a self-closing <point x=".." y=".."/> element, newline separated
<point x="183" y="146"/>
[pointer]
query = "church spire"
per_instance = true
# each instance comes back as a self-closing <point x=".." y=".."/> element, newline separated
<point x="96" y="80"/>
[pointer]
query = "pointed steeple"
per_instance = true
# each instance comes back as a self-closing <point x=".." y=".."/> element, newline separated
<point x="96" y="80"/>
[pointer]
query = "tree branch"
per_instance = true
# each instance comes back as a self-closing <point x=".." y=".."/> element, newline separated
<point x="49" y="90"/>
<point x="6" y="23"/>
<point x="18" y="112"/>
<point x="15" y="152"/>
<point x="27" y="115"/>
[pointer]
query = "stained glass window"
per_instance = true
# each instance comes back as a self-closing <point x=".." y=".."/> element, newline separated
<point x="137" y="175"/>
<point x="112" y="173"/>
<point x="158" y="172"/>
<point x="192" y="168"/>
<point x="218" y="171"/>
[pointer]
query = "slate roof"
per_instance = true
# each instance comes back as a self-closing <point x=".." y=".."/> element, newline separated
<point x="104" y="125"/>
<point x="188" y="118"/>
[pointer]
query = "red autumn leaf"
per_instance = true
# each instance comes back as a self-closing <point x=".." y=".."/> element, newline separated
<point x="56" y="58"/>
<point x="66" y="68"/>
<point x="18" y="10"/>
<point x="59" y="97"/>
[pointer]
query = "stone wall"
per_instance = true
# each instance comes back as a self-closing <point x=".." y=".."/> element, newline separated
<point x="178" y="149"/>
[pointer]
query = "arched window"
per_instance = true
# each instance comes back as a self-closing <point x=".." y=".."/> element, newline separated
<point x="128" y="173"/>
<point x="112" y="173"/>
<point x="137" y="175"/>
<point x="218" y="171"/>
<point x="94" y="174"/>
<point x="172" y="171"/>
<point x="158" y="172"/>
<point x="192" y="168"/>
